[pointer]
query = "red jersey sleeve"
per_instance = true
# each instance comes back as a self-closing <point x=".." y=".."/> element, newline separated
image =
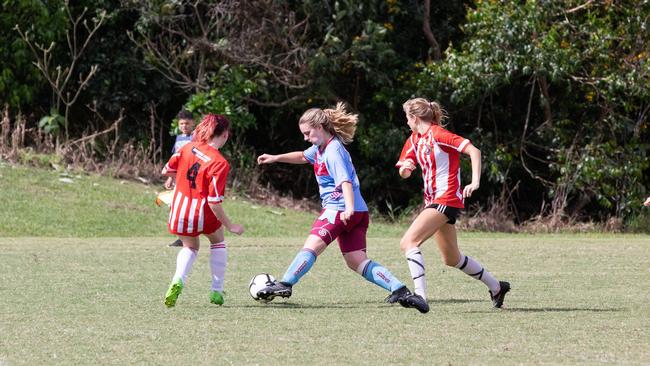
<point x="172" y="164"/>
<point x="408" y="152"/>
<point x="449" y="139"/>
<point x="217" y="187"/>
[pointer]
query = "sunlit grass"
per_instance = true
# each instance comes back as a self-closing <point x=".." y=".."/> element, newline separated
<point x="575" y="300"/>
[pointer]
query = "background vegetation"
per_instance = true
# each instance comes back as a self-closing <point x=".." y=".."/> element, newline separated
<point x="554" y="93"/>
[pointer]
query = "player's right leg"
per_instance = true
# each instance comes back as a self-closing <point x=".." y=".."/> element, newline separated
<point x="184" y="261"/>
<point x="301" y="264"/>
<point x="422" y="228"/>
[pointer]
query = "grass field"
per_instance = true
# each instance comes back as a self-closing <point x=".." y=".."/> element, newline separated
<point x="575" y="300"/>
<point x="47" y="203"/>
<point x="84" y="267"/>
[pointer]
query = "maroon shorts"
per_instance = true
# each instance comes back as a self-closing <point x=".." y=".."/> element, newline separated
<point x="351" y="237"/>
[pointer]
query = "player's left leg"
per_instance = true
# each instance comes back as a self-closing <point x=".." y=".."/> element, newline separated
<point x="379" y="275"/>
<point x="451" y="255"/>
<point x="352" y="243"/>
<point x="184" y="262"/>
<point x="218" y="264"/>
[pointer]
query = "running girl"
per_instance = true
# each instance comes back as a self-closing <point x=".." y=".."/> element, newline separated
<point x="437" y="152"/>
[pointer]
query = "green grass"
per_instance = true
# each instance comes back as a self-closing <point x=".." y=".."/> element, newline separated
<point x="575" y="300"/>
<point x="37" y="203"/>
<point x="84" y="269"/>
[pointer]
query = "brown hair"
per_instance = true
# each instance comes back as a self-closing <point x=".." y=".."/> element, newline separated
<point x="336" y="121"/>
<point x="425" y="110"/>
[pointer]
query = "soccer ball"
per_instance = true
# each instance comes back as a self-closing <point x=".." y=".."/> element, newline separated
<point x="258" y="282"/>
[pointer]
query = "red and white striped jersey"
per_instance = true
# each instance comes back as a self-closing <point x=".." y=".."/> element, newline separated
<point x="201" y="173"/>
<point x="437" y="152"/>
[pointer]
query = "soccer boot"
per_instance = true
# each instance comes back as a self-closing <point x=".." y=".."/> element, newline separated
<point x="177" y="243"/>
<point x="173" y="292"/>
<point x="397" y="294"/>
<point x="281" y="289"/>
<point x="216" y="297"/>
<point x="414" y="301"/>
<point x="497" y="300"/>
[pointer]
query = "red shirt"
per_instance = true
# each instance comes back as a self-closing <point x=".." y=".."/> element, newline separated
<point x="437" y="152"/>
<point x="201" y="173"/>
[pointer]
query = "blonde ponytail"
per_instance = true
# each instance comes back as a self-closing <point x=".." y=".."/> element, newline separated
<point x="425" y="110"/>
<point x="336" y="121"/>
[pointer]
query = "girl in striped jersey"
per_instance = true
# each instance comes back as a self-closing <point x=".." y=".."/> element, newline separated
<point x="201" y="173"/>
<point x="437" y="152"/>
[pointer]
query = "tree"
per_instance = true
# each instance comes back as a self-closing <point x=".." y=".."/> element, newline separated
<point x="66" y="81"/>
<point x="547" y="75"/>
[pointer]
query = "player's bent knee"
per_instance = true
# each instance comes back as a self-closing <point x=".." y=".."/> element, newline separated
<point x="406" y="244"/>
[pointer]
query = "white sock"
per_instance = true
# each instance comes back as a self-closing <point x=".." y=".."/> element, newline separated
<point x="218" y="263"/>
<point x="416" y="266"/>
<point x="476" y="270"/>
<point x="184" y="262"/>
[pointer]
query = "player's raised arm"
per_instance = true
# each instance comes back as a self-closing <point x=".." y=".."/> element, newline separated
<point x="295" y="157"/>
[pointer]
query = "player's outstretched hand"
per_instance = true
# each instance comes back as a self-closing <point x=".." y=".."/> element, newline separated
<point x="266" y="159"/>
<point x="236" y="229"/>
<point x="647" y="202"/>
<point x="469" y="189"/>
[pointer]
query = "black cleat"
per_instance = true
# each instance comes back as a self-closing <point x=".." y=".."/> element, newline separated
<point x="397" y="294"/>
<point x="497" y="299"/>
<point x="281" y="289"/>
<point x="177" y="243"/>
<point x="408" y="299"/>
<point x="415" y="301"/>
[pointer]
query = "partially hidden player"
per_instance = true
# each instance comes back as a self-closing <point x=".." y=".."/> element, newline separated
<point x="186" y="126"/>
<point x="344" y="214"/>
<point x="437" y="152"/>
<point x="201" y="173"/>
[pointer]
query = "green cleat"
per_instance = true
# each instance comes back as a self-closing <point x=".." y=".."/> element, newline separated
<point x="216" y="297"/>
<point x="174" y="290"/>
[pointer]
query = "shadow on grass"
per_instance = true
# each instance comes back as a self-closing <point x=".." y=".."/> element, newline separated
<point x="347" y="305"/>
<point x="293" y="305"/>
<point x="453" y="301"/>
<point x="551" y="310"/>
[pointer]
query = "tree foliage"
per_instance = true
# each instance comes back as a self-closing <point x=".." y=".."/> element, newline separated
<point x="557" y="93"/>
<point x="554" y="93"/>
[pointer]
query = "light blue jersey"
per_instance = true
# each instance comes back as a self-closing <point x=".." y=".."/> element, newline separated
<point x="181" y="140"/>
<point x="332" y="167"/>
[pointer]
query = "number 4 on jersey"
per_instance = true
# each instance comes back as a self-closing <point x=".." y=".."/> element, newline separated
<point x="192" y="172"/>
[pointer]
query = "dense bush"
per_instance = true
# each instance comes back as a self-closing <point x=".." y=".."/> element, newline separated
<point x="554" y="93"/>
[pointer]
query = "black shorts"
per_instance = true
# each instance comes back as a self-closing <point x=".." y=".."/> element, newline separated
<point x="451" y="212"/>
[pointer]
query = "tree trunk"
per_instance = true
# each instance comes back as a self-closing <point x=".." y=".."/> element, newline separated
<point x="426" y="27"/>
